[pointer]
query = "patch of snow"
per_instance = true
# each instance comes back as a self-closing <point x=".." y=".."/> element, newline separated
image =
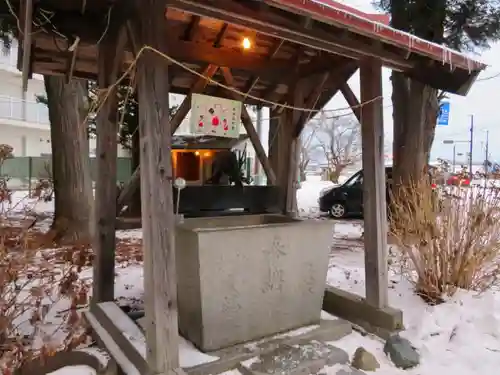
<point x="130" y="233"/>
<point x="74" y="370"/>
<point x="461" y="336"/>
<point x="327" y="316"/>
<point x="250" y="362"/>
<point x="189" y="356"/>
<point x="308" y="194"/>
<point x="296" y="332"/>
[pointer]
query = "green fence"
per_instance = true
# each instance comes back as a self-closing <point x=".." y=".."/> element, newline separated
<point x="25" y="169"/>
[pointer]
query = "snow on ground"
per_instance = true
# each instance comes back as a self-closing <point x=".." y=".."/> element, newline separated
<point x="461" y="336"/>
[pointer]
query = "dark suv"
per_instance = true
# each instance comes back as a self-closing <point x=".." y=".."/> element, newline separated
<point x="347" y="198"/>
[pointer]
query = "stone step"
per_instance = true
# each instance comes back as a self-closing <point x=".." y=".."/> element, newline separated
<point x="300" y="359"/>
<point x="230" y="358"/>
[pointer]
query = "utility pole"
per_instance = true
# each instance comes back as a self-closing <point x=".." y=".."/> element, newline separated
<point x="259" y="133"/>
<point x="471" y="144"/>
<point x="454" y="157"/>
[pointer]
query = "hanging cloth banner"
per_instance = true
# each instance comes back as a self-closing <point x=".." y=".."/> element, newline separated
<point x="215" y="116"/>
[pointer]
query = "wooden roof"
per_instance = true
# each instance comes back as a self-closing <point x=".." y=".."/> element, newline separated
<point x="317" y="42"/>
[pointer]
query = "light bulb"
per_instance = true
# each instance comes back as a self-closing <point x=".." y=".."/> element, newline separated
<point x="246" y="43"/>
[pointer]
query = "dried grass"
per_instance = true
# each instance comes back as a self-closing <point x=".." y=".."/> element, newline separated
<point x="449" y="242"/>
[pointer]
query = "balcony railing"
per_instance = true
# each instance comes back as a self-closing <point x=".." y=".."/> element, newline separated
<point x="12" y="108"/>
<point x="9" y="59"/>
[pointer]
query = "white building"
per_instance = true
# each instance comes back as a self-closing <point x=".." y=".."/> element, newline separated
<point x="24" y="127"/>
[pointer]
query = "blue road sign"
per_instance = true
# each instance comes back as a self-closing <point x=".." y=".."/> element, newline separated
<point x="444" y="114"/>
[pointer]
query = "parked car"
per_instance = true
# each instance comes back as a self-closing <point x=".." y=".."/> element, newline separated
<point x="458" y="180"/>
<point x="347" y="199"/>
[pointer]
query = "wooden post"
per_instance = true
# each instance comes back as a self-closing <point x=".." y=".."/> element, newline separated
<point x="275" y="115"/>
<point x="375" y="211"/>
<point x="158" y="220"/>
<point x="297" y="98"/>
<point x="351" y="99"/>
<point x="250" y="129"/>
<point x="110" y="56"/>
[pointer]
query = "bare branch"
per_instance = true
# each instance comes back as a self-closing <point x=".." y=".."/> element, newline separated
<point x="340" y="140"/>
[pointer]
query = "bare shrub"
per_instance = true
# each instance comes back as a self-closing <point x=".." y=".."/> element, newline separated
<point x="448" y="241"/>
<point x="5" y="192"/>
<point x="41" y="289"/>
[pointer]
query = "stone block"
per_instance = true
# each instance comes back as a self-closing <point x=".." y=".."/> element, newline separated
<point x="242" y="278"/>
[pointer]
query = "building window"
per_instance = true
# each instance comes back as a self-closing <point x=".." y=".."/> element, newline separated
<point x="187" y="165"/>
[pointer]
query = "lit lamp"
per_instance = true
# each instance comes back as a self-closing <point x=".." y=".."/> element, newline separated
<point x="246" y="43"/>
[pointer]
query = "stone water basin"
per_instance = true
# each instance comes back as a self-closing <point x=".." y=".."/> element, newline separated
<point x="242" y="278"/>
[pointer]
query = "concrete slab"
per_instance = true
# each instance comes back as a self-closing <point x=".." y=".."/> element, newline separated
<point x="300" y="359"/>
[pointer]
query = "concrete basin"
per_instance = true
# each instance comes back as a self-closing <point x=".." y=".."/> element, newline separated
<point x="241" y="278"/>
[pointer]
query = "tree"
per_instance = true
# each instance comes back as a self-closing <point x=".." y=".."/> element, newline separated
<point x="340" y="140"/>
<point x="307" y="146"/>
<point x="464" y="25"/>
<point x="68" y="109"/>
<point x="68" y="106"/>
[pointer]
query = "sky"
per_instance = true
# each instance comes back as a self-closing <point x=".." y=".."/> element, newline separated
<point x="480" y="102"/>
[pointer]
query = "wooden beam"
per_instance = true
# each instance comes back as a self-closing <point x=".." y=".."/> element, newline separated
<point x="311" y="103"/>
<point x="109" y="62"/>
<point x="187" y="52"/>
<point x="351" y="99"/>
<point x="272" y="23"/>
<point x="271" y="56"/>
<point x="192" y="28"/>
<point x="250" y="129"/>
<point x="48" y="50"/>
<point x="27" y="42"/>
<point x="374" y="187"/>
<point x="221" y="35"/>
<point x="288" y="78"/>
<point x="331" y="89"/>
<point x="317" y="66"/>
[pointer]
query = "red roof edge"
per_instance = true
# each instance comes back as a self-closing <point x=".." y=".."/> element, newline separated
<point x="384" y="19"/>
<point x="343" y="15"/>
